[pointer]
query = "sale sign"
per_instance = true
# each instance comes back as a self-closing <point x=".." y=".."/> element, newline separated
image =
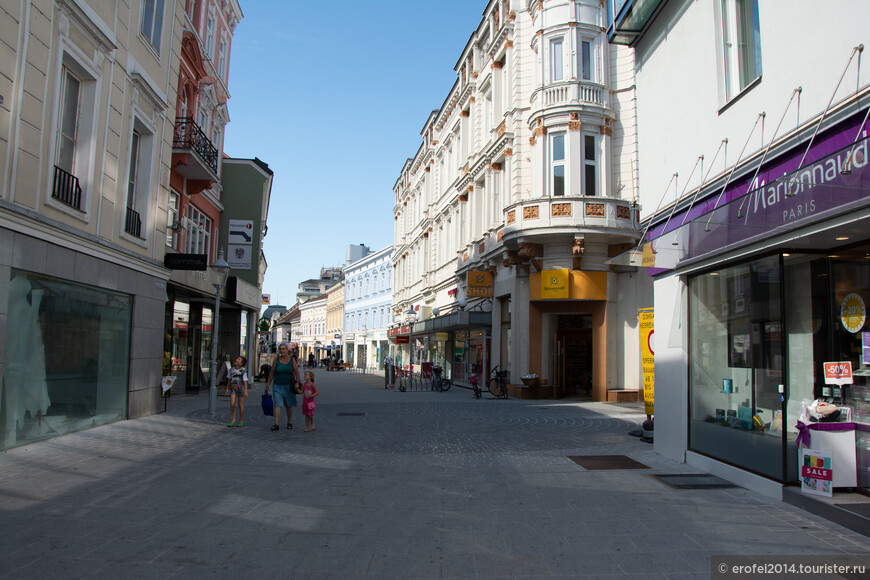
<point x="838" y="373"/>
<point x="817" y="475"/>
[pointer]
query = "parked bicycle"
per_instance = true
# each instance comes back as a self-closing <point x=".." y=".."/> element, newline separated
<point x="437" y="382"/>
<point x="498" y="383"/>
<point x="475" y="385"/>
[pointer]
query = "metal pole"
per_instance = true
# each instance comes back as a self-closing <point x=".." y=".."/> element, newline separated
<point x="212" y="389"/>
<point x="411" y="350"/>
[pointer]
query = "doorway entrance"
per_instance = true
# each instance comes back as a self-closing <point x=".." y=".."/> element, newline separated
<point x="574" y="349"/>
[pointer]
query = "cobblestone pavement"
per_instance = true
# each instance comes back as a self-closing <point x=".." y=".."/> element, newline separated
<point x="390" y="485"/>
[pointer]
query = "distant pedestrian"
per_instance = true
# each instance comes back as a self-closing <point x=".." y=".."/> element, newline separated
<point x="284" y="382"/>
<point x="311" y="362"/>
<point x="238" y="385"/>
<point x="309" y="391"/>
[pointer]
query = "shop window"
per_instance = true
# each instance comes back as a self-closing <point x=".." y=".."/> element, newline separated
<point x="66" y="359"/>
<point x="736" y="365"/>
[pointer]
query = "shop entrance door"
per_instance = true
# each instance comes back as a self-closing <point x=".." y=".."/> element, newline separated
<point x="574" y="348"/>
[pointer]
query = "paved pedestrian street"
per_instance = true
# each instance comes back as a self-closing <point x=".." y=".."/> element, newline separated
<point x="390" y="485"/>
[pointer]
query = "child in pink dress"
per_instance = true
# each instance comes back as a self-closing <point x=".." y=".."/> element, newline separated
<point x="309" y="391"/>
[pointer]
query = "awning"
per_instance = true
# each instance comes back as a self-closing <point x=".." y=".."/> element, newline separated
<point x="825" y="188"/>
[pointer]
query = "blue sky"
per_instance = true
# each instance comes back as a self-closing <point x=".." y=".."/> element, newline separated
<point x="333" y="96"/>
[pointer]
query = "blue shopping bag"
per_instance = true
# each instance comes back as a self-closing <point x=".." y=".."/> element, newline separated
<point x="267" y="404"/>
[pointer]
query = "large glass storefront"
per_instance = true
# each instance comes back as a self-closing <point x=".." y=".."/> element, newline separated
<point x="66" y="360"/>
<point x="759" y="334"/>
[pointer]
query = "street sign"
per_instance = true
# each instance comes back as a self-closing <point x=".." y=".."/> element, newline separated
<point x="240" y="232"/>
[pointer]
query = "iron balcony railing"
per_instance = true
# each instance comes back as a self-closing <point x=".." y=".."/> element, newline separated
<point x="188" y="135"/>
<point x="133" y="223"/>
<point x="66" y="188"/>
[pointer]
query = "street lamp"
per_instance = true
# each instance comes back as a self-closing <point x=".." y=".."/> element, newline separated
<point x="218" y="271"/>
<point x="411" y="314"/>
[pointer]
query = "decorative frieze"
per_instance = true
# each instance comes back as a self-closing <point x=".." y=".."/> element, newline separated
<point x="481" y="247"/>
<point x="499" y="235"/>
<point x="532" y="212"/>
<point x="574" y="125"/>
<point x="495" y="166"/>
<point x="511" y="216"/>
<point x="508" y="152"/>
<point x="560" y="210"/>
<point x="623" y="212"/>
<point x="595" y="209"/>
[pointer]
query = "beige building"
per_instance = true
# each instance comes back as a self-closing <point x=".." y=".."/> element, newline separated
<point x="335" y="317"/>
<point x="520" y="191"/>
<point x="86" y="127"/>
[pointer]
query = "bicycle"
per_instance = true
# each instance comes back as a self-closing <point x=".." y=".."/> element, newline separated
<point x="437" y="382"/>
<point x="498" y="383"/>
<point x="475" y="387"/>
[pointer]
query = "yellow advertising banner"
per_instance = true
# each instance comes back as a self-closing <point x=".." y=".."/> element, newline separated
<point x="554" y="284"/>
<point x="647" y="357"/>
<point x="478" y="284"/>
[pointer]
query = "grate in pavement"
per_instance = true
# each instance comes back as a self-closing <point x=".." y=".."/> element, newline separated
<point x="606" y="462"/>
<point x="693" y="481"/>
<point x="351" y="414"/>
<point x="862" y="509"/>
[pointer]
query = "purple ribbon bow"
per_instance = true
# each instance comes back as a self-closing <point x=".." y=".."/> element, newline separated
<point x="803" y="434"/>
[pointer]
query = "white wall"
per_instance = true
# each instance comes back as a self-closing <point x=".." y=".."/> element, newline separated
<point x="671" y="380"/>
<point x="803" y="43"/>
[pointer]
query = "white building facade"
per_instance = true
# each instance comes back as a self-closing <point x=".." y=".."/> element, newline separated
<point x="759" y="250"/>
<point x="368" y="308"/>
<point x="524" y="177"/>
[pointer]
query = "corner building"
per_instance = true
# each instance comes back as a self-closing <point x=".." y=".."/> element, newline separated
<point x="762" y="264"/>
<point x="521" y="190"/>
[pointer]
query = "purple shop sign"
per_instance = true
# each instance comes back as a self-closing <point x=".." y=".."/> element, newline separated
<point x="780" y="199"/>
<point x="865" y="347"/>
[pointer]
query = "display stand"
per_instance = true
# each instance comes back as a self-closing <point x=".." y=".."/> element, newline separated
<point x="839" y="439"/>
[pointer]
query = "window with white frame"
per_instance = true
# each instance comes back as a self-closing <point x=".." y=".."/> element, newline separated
<point x="557" y="164"/>
<point x="67" y="133"/>
<point x="210" y="26"/>
<point x="172" y="220"/>
<point x="590" y="165"/>
<point x="222" y="58"/>
<point x="74" y="136"/>
<point x="152" y="22"/>
<point x="586" y="64"/>
<point x="556" y="60"/>
<point x="488" y="115"/>
<point x="740" y="45"/>
<point x="138" y="178"/>
<point x="199" y="231"/>
<point x="495" y="213"/>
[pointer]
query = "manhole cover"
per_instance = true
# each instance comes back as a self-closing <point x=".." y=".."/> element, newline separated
<point x="351" y="414"/>
<point x="592" y="462"/>
<point x="694" y="481"/>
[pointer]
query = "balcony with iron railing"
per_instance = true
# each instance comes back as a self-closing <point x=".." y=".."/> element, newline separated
<point x="133" y="223"/>
<point x="194" y="155"/>
<point x="66" y="189"/>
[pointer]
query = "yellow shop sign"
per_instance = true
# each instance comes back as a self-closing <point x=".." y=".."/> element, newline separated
<point x="554" y="284"/>
<point x="478" y="284"/>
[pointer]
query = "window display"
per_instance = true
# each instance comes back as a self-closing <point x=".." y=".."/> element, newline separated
<point x="66" y="360"/>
